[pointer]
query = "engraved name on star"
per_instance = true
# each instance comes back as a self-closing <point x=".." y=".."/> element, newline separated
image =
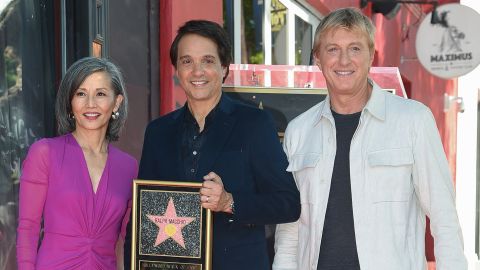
<point x="170" y="225"/>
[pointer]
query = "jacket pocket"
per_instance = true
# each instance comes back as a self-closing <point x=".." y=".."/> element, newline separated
<point x="391" y="157"/>
<point x="303" y="167"/>
<point x="391" y="172"/>
<point x="299" y="162"/>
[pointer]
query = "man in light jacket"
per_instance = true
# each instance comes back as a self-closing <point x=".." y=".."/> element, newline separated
<point x="369" y="166"/>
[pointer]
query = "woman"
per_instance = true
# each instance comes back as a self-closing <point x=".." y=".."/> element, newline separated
<point x="78" y="182"/>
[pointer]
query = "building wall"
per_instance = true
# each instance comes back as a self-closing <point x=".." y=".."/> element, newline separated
<point x="468" y="180"/>
<point x="129" y="26"/>
<point x="173" y="14"/>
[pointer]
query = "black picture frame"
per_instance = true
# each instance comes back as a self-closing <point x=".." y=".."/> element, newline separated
<point x="170" y="228"/>
<point x="283" y="104"/>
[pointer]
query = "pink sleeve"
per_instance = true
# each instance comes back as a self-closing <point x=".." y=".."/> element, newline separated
<point x="126" y="218"/>
<point x="33" y="190"/>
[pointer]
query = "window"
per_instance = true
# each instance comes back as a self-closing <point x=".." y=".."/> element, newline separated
<point x="303" y="42"/>
<point x="278" y="21"/>
<point x="270" y="31"/>
<point x="27" y="89"/>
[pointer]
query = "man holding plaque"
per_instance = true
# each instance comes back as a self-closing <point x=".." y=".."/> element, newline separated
<point x="231" y="147"/>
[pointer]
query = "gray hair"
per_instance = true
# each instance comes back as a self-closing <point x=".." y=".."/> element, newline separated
<point x="73" y="78"/>
<point x="347" y="18"/>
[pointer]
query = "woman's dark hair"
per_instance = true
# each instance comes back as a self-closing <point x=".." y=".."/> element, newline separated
<point x="73" y="78"/>
<point x="207" y="29"/>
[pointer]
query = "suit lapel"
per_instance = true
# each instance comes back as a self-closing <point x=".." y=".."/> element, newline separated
<point x="176" y="141"/>
<point x="217" y="136"/>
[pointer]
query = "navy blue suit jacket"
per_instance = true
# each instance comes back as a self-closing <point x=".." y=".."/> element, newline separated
<point x="242" y="147"/>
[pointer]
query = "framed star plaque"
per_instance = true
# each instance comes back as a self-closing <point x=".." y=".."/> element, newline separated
<point x="170" y="228"/>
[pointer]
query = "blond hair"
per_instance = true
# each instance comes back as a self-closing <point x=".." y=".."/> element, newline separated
<point x="347" y="18"/>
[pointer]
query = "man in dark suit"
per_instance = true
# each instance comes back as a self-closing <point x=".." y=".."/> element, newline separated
<point x="230" y="147"/>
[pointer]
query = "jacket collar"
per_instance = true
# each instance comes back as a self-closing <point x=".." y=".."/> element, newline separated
<point x="218" y="134"/>
<point x="225" y="105"/>
<point x="375" y="105"/>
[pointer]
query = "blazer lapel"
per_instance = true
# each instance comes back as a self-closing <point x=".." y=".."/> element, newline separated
<point x="218" y="134"/>
<point x="176" y="141"/>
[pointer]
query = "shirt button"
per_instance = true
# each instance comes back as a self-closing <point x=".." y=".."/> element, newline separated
<point x="192" y="170"/>
<point x="194" y="137"/>
<point x="194" y="153"/>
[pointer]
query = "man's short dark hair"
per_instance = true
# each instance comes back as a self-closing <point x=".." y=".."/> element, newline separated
<point x="206" y="29"/>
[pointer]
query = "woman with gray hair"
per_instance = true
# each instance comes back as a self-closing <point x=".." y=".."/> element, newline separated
<point x="78" y="182"/>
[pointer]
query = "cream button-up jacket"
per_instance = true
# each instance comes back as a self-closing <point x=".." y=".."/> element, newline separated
<point x="399" y="174"/>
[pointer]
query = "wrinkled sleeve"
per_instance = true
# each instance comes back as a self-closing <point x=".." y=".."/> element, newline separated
<point x="33" y="190"/>
<point x="434" y="189"/>
<point x="286" y="235"/>
<point x="286" y="246"/>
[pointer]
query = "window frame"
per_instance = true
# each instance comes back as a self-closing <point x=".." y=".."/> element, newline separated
<point x="295" y="8"/>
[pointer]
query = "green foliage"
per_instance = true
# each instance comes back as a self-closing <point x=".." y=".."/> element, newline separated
<point x="257" y="58"/>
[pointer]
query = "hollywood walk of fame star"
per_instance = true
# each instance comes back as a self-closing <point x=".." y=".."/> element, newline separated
<point x="170" y="225"/>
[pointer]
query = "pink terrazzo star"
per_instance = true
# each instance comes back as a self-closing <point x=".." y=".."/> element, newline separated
<point x="170" y="225"/>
